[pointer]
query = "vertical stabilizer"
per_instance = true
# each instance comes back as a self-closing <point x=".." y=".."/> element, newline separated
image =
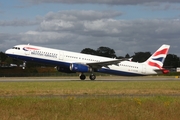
<point x="157" y="59"/>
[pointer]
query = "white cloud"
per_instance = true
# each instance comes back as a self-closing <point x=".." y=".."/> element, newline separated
<point x="73" y="30"/>
<point x="56" y="25"/>
<point x="75" y="15"/>
<point x="18" y="22"/>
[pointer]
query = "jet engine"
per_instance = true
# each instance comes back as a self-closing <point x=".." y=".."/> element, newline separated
<point x="80" y="68"/>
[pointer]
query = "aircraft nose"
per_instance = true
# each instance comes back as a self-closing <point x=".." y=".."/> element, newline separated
<point x="8" y="51"/>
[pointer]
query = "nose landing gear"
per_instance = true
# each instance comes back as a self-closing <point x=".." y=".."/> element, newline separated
<point x="24" y="65"/>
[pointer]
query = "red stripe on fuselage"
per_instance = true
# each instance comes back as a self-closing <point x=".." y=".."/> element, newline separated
<point x="30" y="48"/>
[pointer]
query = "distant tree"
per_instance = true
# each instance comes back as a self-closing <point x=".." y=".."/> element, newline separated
<point x="89" y="51"/>
<point x="141" y="56"/>
<point x="172" y="61"/>
<point x="106" y="52"/>
<point x="3" y="56"/>
<point x="119" y="57"/>
<point x="127" y="56"/>
<point x="8" y="60"/>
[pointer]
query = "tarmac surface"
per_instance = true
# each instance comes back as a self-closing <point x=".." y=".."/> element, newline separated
<point x="98" y="78"/>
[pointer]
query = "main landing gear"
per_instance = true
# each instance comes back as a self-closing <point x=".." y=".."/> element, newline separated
<point x="91" y="76"/>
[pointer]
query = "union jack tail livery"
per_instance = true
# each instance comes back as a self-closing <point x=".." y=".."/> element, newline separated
<point x="157" y="59"/>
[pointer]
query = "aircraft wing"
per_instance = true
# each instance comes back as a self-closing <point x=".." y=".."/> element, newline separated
<point x="105" y="63"/>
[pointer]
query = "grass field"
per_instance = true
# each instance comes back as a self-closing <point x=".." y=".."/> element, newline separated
<point x="90" y="100"/>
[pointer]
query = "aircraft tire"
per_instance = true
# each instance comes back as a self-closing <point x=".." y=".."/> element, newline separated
<point x="92" y="77"/>
<point x="82" y="77"/>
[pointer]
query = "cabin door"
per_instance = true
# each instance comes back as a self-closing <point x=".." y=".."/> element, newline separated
<point x="144" y="69"/>
<point x="61" y="55"/>
<point x="27" y="52"/>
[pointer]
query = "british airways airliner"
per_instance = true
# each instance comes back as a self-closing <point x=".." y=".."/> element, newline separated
<point x="72" y="62"/>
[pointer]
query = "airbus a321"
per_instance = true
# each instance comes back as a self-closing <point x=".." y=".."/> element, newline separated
<point x="72" y="62"/>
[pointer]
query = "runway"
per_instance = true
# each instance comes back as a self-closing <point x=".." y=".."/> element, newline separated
<point x="99" y="78"/>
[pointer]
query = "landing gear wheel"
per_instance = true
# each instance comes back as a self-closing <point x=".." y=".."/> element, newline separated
<point x="82" y="77"/>
<point x="92" y="77"/>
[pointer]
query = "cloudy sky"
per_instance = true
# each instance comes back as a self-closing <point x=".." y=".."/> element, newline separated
<point x="127" y="26"/>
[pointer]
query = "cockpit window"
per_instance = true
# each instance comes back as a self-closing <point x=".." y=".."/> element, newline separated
<point x="17" y="48"/>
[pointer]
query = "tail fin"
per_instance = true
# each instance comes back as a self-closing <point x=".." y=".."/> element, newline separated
<point x="157" y="59"/>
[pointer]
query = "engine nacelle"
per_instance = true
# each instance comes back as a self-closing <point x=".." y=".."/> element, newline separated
<point x="165" y="71"/>
<point x="64" y="69"/>
<point x="80" y="68"/>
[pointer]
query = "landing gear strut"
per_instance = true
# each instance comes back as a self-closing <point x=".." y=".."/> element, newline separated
<point x="24" y="65"/>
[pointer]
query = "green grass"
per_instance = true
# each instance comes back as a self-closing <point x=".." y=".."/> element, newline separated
<point x="102" y="108"/>
<point x="132" y="100"/>
<point x="90" y="88"/>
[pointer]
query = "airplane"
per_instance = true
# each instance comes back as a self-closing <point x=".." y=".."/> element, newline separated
<point x="73" y="62"/>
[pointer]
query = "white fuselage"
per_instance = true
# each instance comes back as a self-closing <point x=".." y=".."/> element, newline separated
<point x="65" y="58"/>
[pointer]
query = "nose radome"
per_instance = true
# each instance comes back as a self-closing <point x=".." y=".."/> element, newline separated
<point x="8" y="51"/>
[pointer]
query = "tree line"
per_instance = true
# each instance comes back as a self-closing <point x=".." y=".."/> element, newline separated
<point x="172" y="61"/>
